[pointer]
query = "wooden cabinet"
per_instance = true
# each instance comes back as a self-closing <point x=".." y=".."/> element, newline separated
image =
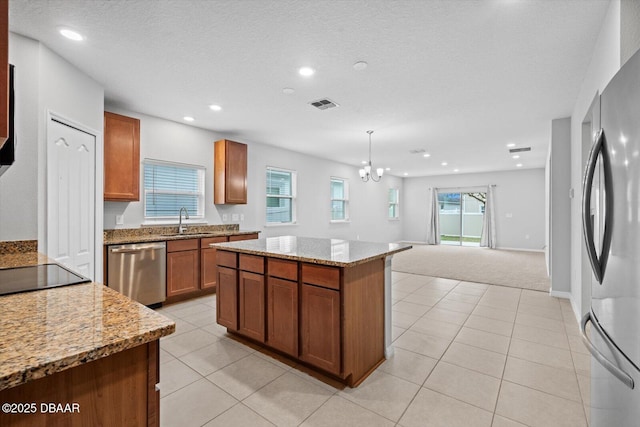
<point x="238" y="237"/>
<point x="121" y="158"/>
<point x="208" y="269"/>
<point x="227" y="297"/>
<point x="320" y="317"/>
<point x="183" y="266"/>
<point x="251" y="314"/>
<point x="230" y="172"/>
<point x="116" y="390"/>
<point x="4" y="71"/>
<point x="282" y="305"/>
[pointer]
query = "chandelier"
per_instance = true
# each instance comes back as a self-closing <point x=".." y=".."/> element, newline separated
<point x="365" y="173"/>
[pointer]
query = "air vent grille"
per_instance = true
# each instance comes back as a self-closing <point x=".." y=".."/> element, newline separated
<point x="323" y="104"/>
<point x="519" y="150"/>
<point x="418" y="151"/>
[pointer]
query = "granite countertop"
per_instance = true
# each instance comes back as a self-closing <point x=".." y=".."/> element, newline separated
<point x="159" y="234"/>
<point x="335" y="252"/>
<point x="47" y="331"/>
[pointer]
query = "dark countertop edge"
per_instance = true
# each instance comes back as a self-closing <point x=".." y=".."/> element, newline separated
<point x="162" y="238"/>
<point x="49" y="368"/>
<point x="220" y="246"/>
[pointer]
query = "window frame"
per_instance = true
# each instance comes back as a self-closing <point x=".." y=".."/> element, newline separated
<point x="396" y="204"/>
<point x="292" y="197"/>
<point x="345" y="199"/>
<point x="201" y="204"/>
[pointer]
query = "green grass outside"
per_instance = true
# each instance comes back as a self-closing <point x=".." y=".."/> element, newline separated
<point x="457" y="239"/>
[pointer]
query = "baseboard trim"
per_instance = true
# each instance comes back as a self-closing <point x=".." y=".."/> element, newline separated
<point x="560" y="294"/>
<point x="413" y="242"/>
<point x="520" y="249"/>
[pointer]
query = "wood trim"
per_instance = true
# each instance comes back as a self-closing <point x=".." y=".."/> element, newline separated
<point x="153" y="374"/>
<point x="238" y="237"/>
<point x="206" y="241"/>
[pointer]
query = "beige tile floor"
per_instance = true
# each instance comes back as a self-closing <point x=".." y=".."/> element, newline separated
<point x="465" y="354"/>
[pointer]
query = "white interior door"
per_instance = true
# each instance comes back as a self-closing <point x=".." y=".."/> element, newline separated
<point x="71" y="155"/>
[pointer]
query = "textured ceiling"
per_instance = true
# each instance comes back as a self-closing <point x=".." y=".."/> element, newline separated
<point x="459" y="79"/>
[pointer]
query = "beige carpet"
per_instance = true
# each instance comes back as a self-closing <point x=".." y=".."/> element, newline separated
<point x="517" y="269"/>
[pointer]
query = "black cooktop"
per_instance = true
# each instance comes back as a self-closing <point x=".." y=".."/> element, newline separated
<point x="36" y="277"/>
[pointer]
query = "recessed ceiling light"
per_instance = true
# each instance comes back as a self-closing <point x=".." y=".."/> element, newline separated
<point x="188" y="118"/>
<point x="426" y="155"/>
<point x="360" y="65"/>
<point x="364" y="162"/>
<point x="515" y="156"/>
<point x="288" y="91"/>
<point x="71" y="35"/>
<point x="444" y="163"/>
<point x="511" y="144"/>
<point x="215" y="107"/>
<point x="456" y="170"/>
<point x="519" y="165"/>
<point x="406" y="174"/>
<point x="306" y="71"/>
<point x="387" y="169"/>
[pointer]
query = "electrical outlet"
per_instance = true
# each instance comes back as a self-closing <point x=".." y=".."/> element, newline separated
<point x="225" y="217"/>
<point x="509" y="215"/>
<point x="241" y="217"/>
<point x="119" y="219"/>
<point x="234" y="217"/>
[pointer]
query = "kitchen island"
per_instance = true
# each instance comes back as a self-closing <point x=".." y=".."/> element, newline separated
<point x="325" y="303"/>
<point x="77" y="355"/>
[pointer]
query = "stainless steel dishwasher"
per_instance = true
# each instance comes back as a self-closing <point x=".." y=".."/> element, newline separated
<point x="139" y="271"/>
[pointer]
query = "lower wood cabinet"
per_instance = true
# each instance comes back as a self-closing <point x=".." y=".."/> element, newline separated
<point x="282" y="315"/>
<point x="227" y="298"/>
<point x="183" y="266"/>
<point x="251" y="314"/>
<point x="320" y="327"/>
<point x="208" y="268"/>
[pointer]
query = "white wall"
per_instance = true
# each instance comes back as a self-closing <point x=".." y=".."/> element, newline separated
<point x="19" y="184"/>
<point x="520" y="194"/>
<point x="605" y="62"/>
<point x="166" y="140"/>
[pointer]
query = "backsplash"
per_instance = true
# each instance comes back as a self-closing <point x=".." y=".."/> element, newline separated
<point x="120" y="233"/>
<point x="18" y="246"/>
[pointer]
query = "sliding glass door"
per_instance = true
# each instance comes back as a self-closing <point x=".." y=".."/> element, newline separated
<point x="461" y="217"/>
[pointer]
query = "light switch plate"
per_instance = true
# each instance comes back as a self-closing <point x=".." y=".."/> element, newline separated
<point x="235" y="217"/>
<point x="119" y="219"/>
<point x="225" y="217"/>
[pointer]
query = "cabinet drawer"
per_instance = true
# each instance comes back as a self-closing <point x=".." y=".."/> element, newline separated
<point x="206" y="241"/>
<point x="237" y="237"/>
<point x="282" y="268"/>
<point x="182" y="245"/>
<point x="227" y="259"/>
<point x="328" y="277"/>
<point x="253" y="263"/>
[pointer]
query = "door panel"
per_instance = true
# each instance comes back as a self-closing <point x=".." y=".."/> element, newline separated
<point x="71" y="197"/>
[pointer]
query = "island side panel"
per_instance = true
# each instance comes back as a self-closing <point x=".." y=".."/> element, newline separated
<point x="112" y="391"/>
<point x="363" y="319"/>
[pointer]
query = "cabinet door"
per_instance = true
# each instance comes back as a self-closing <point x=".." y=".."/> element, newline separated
<point x="227" y="298"/>
<point x="282" y="315"/>
<point x="320" y="327"/>
<point x="230" y="172"/>
<point x="121" y="158"/>
<point x="182" y="272"/>
<point x="208" y="267"/>
<point x="252" y="305"/>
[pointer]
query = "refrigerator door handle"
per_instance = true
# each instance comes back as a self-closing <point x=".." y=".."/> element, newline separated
<point x="609" y="366"/>
<point x="598" y="265"/>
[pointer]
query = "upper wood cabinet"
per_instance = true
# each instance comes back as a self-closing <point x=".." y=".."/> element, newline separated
<point x="121" y="158"/>
<point x="230" y="172"/>
<point x="4" y="71"/>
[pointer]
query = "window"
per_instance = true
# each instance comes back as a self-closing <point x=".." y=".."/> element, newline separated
<point x="394" y="203"/>
<point x="339" y="199"/>
<point x="281" y="196"/>
<point x="170" y="186"/>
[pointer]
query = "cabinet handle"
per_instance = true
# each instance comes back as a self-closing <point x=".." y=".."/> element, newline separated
<point x="609" y="366"/>
<point x="136" y="249"/>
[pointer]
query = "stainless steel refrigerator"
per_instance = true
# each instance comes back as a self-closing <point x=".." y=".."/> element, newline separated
<point x="611" y="224"/>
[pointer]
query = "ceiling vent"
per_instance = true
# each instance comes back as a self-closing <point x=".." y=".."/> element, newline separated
<point x="519" y="150"/>
<point x="418" y="151"/>
<point x="323" y="104"/>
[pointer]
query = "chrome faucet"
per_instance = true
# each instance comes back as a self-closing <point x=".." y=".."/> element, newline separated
<point x="183" y="228"/>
